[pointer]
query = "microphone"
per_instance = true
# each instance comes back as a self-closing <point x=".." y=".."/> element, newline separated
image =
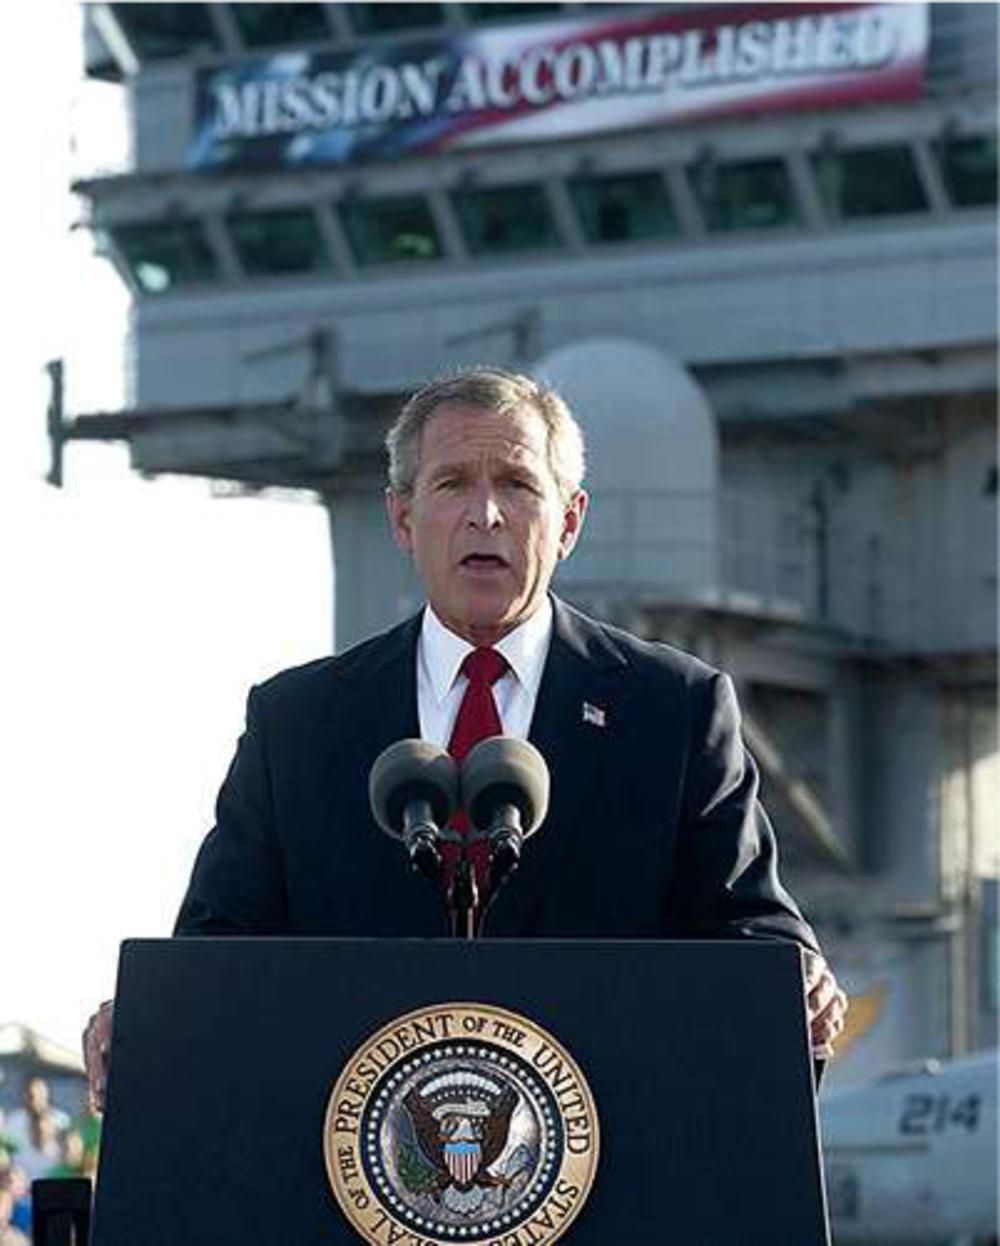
<point x="413" y="791"/>
<point x="504" y="784"/>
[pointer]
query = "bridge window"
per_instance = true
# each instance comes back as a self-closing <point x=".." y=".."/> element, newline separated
<point x="502" y="219"/>
<point x="875" y="181"/>
<point x="287" y="240"/>
<point x="969" y="165"/>
<point x="752" y="194"/>
<point x="370" y="19"/>
<point x="623" y="207"/>
<point x="160" y="31"/>
<point x="268" y="25"/>
<point x="166" y="254"/>
<point x="386" y="231"/>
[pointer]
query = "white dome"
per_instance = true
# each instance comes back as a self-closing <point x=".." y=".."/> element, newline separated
<point x="652" y="469"/>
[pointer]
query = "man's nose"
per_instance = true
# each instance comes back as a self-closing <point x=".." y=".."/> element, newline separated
<point x="484" y="510"/>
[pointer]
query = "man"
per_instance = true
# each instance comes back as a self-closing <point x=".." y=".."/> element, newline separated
<point x="653" y="830"/>
<point x="38" y="1129"/>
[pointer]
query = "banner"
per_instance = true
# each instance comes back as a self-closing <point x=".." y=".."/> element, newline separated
<point x="555" y="80"/>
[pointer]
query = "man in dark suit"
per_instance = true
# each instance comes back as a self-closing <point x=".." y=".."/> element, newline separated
<point x="654" y="828"/>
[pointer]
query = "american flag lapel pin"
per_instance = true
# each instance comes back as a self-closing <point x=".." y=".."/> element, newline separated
<point x="594" y="714"/>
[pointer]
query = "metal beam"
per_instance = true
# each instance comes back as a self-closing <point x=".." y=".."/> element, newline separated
<point x="812" y="816"/>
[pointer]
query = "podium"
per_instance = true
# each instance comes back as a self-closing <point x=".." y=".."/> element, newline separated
<point x="262" y="1088"/>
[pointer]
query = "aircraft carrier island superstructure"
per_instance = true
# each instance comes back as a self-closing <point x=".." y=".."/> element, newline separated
<point x="753" y="245"/>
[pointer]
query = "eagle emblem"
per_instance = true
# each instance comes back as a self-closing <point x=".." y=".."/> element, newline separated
<point x="453" y="1121"/>
<point x="461" y="1120"/>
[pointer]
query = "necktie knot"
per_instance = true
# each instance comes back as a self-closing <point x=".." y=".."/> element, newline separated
<point x="484" y="666"/>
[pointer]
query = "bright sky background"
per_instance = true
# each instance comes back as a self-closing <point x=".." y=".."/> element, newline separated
<point x="135" y="614"/>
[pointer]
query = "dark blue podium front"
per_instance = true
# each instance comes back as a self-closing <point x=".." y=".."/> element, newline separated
<point x="226" y="1051"/>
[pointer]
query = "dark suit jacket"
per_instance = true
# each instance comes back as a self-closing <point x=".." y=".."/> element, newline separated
<point x="654" y="828"/>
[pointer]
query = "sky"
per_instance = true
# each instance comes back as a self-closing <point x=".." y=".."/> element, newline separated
<point x="136" y="614"/>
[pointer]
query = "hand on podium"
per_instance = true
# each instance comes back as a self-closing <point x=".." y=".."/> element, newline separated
<point x="96" y="1052"/>
<point x="827" y="1005"/>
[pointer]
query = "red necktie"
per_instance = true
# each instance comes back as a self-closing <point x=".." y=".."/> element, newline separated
<point x="478" y="719"/>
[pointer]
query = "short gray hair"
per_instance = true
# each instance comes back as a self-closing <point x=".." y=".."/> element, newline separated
<point x="491" y="389"/>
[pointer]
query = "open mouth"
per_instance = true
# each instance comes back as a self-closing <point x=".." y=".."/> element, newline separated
<point x="483" y="562"/>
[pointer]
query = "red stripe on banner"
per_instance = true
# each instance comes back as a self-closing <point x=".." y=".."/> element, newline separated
<point x="899" y="84"/>
<point x="903" y="82"/>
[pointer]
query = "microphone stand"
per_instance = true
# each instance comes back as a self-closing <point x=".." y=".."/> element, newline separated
<point x="463" y="899"/>
<point x="460" y="894"/>
<point x="465" y="914"/>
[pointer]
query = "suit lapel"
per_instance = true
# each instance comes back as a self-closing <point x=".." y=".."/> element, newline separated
<point x="383" y="675"/>
<point x="382" y="678"/>
<point x="574" y="729"/>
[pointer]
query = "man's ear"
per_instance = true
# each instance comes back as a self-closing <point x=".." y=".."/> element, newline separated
<point x="573" y="515"/>
<point x="397" y="508"/>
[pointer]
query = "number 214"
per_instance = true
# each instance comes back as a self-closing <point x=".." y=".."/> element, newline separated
<point x="923" y="1114"/>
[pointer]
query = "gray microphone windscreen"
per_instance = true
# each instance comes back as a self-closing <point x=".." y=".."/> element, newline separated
<point x="503" y="769"/>
<point x="412" y="770"/>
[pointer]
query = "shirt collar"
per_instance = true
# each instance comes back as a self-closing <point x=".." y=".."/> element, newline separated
<point x="525" y="648"/>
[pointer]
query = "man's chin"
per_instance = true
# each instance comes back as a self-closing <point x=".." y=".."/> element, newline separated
<point x="483" y="618"/>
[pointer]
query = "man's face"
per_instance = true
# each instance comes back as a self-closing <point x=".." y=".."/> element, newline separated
<point x="36" y="1095"/>
<point x="485" y="522"/>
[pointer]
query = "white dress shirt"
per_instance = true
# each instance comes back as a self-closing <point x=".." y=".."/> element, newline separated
<point x="441" y="685"/>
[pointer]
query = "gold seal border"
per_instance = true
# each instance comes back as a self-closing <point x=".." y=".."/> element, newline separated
<point x="361" y="1204"/>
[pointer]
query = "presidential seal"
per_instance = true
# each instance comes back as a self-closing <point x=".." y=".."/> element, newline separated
<point x="461" y="1123"/>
